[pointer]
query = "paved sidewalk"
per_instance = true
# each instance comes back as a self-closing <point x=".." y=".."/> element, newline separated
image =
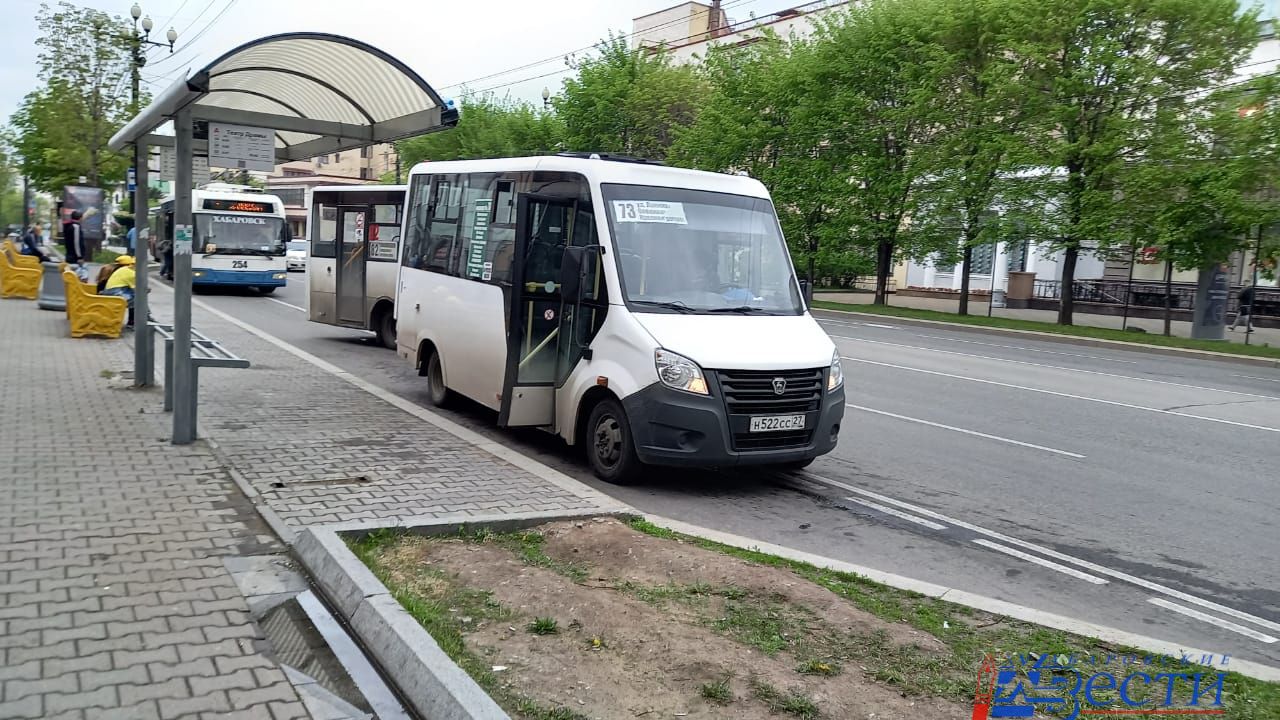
<point x="1179" y="328"/>
<point x="114" y="598"/>
<point x="319" y="449"/>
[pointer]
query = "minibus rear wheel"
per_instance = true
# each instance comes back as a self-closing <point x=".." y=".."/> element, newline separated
<point x="610" y="448"/>
<point x="436" y="390"/>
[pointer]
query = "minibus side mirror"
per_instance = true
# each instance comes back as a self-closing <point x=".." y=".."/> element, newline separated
<point x="805" y="291"/>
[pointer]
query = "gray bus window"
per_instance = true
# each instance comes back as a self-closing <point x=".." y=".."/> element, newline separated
<point x="446" y="207"/>
<point x="326" y="235"/>
<point x="386" y="214"/>
<point x="419" y="233"/>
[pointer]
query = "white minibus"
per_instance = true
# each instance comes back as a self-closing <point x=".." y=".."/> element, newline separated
<point x="648" y="313"/>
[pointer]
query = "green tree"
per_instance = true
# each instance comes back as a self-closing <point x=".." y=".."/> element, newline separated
<point x="980" y="139"/>
<point x="631" y="101"/>
<point x="749" y="122"/>
<point x="1206" y="186"/>
<point x="1098" y="70"/>
<point x="63" y="127"/>
<point x="488" y="127"/>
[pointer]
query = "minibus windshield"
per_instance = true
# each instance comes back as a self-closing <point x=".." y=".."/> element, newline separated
<point x="693" y="251"/>
<point x="239" y="234"/>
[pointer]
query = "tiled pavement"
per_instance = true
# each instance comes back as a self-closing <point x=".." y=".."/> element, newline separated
<point x="114" y="601"/>
<point x="114" y="598"/>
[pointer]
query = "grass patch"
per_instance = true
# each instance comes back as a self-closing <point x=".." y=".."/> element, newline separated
<point x="967" y="635"/>
<point x="819" y="667"/>
<point x="792" y="702"/>
<point x="1084" y="331"/>
<point x="108" y="374"/>
<point x="717" y="692"/>
<point x="543" y="626"/>
<point x="439" y="604"/>
<point x="528" y="546"/>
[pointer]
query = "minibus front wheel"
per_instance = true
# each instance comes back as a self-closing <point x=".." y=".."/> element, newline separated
<point x="611" y="448"/>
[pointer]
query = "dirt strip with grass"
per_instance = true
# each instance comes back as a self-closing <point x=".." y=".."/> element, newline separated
<point x="601" y="619"/>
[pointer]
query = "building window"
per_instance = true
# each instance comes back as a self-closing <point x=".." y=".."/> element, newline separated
<point x="292" y="197"/>
<point x="337" y="157"/>
<point x="364" y="173"/>
<point x="364" y="153"/>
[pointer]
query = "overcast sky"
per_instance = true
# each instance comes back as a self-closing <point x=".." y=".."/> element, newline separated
<point x="446" y="42"/>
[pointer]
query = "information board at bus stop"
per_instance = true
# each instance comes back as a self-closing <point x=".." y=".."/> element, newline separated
<point x="242" y="147"/>
<point x="167" y="169"/>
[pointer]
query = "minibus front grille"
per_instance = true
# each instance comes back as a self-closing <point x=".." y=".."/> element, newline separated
<point x="754" y="392"/>
<point x="746" y="442"/>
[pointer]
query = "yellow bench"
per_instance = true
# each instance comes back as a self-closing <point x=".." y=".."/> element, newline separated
<point x="90" y="314"/>
<point x="18" y="280"/>
<point x="17" y="258"/>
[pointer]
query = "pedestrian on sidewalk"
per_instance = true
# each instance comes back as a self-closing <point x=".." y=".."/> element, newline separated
<point x="131" y="238"/>
<point x="1244" y="306"/>
<point x="31" y="243"/>
<point x="165" y="246"/>
<point x="73" y="238"/>
<point x="122" y="282"/>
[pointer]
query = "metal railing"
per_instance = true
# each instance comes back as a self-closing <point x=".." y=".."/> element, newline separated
<point x="1150" y="295"/>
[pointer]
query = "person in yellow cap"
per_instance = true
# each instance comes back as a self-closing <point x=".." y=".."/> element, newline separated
<point x="123" y="281"/>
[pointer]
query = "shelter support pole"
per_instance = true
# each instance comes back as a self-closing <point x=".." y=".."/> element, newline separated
<point x="143" y="342"/>
<point x="184" y="397"/>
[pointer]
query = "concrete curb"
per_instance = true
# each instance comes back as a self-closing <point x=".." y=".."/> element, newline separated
<point x="432" y="683"/>
<point x="1063" y="339"/>
<point x="426" y="677"/>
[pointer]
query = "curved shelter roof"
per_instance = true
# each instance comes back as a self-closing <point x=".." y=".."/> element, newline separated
<point x="321" y="93"/>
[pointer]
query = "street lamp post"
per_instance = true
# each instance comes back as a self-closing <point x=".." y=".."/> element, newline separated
<point x="138" y="39"/>
<point x="546" y="99"/>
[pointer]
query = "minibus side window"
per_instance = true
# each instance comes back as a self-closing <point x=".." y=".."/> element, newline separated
<point x="419" y="223"/>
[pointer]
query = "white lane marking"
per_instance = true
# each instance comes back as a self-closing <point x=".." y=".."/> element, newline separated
<point x="1028" y="349"/>
<point x="1055" y="393"/>
<point x="974" y="433"/>
<point x="1094" y="567"/>
<point x="288" y="305"/>
<point x="1224" y="624"/>
<point x="1042" y="562"/>
<point x="1254" y="377"/>
<point x="1069" y="369"/>
<point x="878" y="325"/>
<point x="898" y="514"/>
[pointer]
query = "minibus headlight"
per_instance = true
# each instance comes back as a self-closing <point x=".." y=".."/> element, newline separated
<point x="835" y="376"/>
<point x="679" y="372"/>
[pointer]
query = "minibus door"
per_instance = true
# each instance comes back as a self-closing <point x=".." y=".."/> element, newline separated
<point x="350" y="260"/>
<point x="534" y="321"/>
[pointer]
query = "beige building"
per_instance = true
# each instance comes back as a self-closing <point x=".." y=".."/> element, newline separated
<point x="689" y="29"/>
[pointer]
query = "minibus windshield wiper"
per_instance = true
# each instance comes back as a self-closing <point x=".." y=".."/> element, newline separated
<point x="675" y="305"/>
<point x="744" y="309"/>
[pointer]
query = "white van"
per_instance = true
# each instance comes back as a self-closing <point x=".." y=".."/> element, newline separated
<point x="649" y="313"/>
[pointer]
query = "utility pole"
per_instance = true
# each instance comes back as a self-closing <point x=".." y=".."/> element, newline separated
<point x="136" y="41"/>
<point x="397" y="167"/>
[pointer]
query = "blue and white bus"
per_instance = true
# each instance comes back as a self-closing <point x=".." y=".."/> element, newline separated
<point x="239" y="238"/>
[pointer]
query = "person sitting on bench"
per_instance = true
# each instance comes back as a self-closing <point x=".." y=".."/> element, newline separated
<point x="123" y="282"/>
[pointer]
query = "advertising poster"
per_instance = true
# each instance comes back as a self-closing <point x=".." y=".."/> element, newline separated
<point x="89" y="201"/>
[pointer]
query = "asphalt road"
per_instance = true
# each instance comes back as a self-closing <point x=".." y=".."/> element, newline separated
<point x="1131" y="490"/>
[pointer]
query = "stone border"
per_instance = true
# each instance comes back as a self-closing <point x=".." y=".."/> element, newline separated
<point x="431" y="682"/>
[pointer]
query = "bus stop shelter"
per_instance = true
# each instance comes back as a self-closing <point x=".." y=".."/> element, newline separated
<point x="317" y="93"/>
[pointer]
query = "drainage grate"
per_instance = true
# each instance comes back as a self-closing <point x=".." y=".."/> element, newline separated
<point x="298" y="644"/>
<point x="324" y="482"/>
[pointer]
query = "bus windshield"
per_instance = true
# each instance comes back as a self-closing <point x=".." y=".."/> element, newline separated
<point x="239" y="234"/>
<point x="693" y="251"/>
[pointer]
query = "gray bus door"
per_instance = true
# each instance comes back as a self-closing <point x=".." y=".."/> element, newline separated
<point x="350" y="260"/>
<point x="543" y="229"/>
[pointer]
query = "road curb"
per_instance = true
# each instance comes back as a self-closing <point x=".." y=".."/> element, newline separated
<point x="1084" y="628"/>
<point x="427" y="678"/>
<point x="1064" y="339"/>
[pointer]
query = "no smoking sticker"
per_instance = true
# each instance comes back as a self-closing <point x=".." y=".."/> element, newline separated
<point x="549" y="314"/>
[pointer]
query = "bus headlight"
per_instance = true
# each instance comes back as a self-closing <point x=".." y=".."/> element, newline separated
<point x="679" y="372"/>
<point x="835" y="376"/>
<point x="279" y="276"/>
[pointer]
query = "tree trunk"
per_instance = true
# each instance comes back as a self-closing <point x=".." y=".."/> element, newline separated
<point x="813" y="253"/>
<point x="966" y="259"/>
<point x="884" y="265"/>
<point x="1067" y="294"/>
<point x="1168" y="298"/>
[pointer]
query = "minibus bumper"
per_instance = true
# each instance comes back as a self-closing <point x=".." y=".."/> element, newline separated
<point x="675" y="428"/>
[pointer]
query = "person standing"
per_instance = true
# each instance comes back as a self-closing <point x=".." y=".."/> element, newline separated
<point x="73" y="238"/>
<point x="131" y="239"/>
<point x="123" y="282"/>
<point x="1244" y="306"/>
